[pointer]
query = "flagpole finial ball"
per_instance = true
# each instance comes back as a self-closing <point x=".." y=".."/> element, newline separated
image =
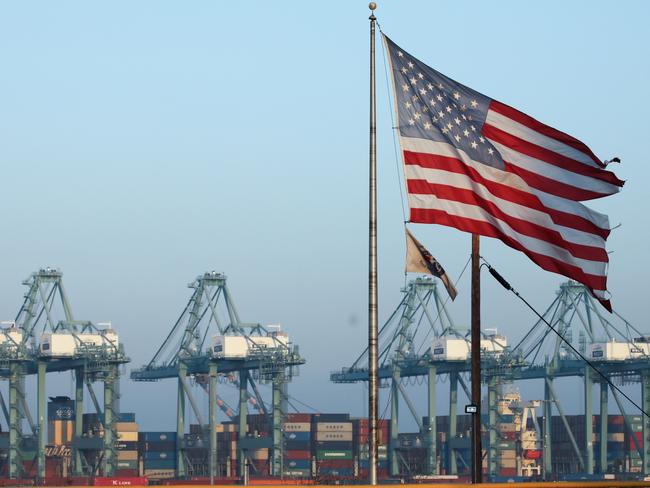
<point x="372" y="5"/>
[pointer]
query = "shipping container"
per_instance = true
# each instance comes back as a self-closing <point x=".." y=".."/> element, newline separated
<point x="297" y="427"/>
<point x="157" y="436"/>
<point x="347" y="454"/>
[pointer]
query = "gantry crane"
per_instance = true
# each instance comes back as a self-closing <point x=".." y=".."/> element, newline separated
<point x="92" y="353"/>
<point x="405" y="352"/>
<point x="187" y="352"/>
<point x="540" y="355"/>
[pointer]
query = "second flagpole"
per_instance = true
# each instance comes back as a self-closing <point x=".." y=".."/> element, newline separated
<point x="477" y="450"/>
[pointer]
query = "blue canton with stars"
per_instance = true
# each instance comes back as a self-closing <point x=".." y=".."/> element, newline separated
<point x="432" y="106"/>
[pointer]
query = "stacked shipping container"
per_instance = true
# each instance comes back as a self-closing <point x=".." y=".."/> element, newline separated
<point x="297" y="440"/>
<point x="158" y="454"/>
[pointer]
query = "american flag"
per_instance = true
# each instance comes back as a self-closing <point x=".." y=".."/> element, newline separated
<point x="483" y="167"/>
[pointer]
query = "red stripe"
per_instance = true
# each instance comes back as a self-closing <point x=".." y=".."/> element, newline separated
<point x="537" y="126"/>
<point x="548" y="156"/>
<point x="505" y="192"/>
<point x="430" y="216"/>
<point x="446" y="192"/>
<point x="551" y="186"/>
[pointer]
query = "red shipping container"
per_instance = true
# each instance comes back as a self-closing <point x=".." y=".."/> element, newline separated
<point x="298" y="417"/>
<point x="508" y="436"/>
<point x="136" y="481"/>
<point x="297" y="455"/>
<point x="126" y="473"/>
<point x="616" y="420"/>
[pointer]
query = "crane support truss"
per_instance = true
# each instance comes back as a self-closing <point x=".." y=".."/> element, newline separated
<point x="539" y="355"/>
<point x="186" y="354"/>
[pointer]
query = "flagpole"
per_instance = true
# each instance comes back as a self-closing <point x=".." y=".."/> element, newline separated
<point x="477" y="451"/>
<point x="373" y="390"/>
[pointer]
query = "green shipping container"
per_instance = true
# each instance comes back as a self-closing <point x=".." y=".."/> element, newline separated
<point x="322" y="455"/>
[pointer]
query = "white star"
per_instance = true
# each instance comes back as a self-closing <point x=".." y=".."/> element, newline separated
<point x="411" y="121"/>
<point x="429" y="86"/>
<point x="425" y="109"/>
<point x="434" y="119"/>
<point x="474" y="103"/>
<point x="414" y="98"/>
<point x="482" y="139"/>
<point x="400" y="53"/>
<point x="411" y="64"/>
<point x="423" y="91"/>
<point x="491" y="151"/>
<point x="439" y="97"/>
<point x="466" y="133"/>
<point x="404" y="70"/>
<point x="457" y="95"/>
<point x="441" y="114"/>
<point x="463" y="116"/>
<point x="463" y="108"/>
<point x="449" y="126"/>
<point x="420" y="75"/>
<point x="432" y="102"/>
<point x="448" y="109"/>
<point x="413" y="81"/>
<point x="440" y="87"/>
<point x="405" y="87"/>
<point x="408" y="104"/>
<point x="474" y="145"/>
<point x="417" y="116"/>
<point x="457" y="120"/>
<point x="457" y="137"/>
<point x="427" y="125"/>
<point x="473" y="128"/>
<point x="445" y="130"/>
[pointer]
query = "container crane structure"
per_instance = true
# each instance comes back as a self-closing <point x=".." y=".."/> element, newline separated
<point x="29" y="347"/>
<point x="199" y="347"/>
<point x="539" y="355"/>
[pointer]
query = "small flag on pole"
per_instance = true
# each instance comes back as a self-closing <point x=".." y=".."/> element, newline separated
<point x="419" y="260"/>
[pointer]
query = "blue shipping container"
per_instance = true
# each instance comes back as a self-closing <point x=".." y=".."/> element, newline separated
<point x="346" y="472"/>
<point x="160" y="464"/>
<point x="298" y="436"/>
<point x="157" y="436"/>
<point x="159" y="455"/>
<point x="297" y="463"/>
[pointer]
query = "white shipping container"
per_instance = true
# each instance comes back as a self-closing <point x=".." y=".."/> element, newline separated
<point x="345" y="436"/>
<point x="57" y="345"/>
<point x="297" y="427"/>
<point x="334" y="427"/>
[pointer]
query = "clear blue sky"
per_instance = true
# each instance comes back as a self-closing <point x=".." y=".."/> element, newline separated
<point x="146" y="142"/>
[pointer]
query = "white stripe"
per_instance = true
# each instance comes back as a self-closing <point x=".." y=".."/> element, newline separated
<point x="507" y="207"/>
<point x="576" y="208"/>
<point x="503" y="177"/>
<point x="532" y="244"/>
<point x="553" y="172"/>
<point x="521" y="131"/>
